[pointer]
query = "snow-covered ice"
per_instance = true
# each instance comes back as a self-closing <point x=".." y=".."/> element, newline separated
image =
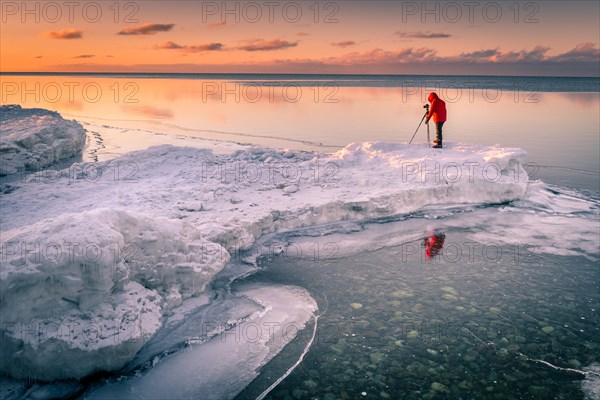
<point x="32" y="139"/>
<point x="239" y="196"/>
<point x="93" y="287"/>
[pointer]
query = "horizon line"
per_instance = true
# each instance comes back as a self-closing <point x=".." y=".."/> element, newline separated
<point x="49" y="73"/>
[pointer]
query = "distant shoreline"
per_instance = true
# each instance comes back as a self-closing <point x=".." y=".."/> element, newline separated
<point x="297" y="76"/>
<point x="526" y="84"/>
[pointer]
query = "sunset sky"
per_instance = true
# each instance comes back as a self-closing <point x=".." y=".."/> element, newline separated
<point x="377" y="37"/>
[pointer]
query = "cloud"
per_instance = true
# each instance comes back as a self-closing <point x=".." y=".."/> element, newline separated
<point x="379" y="56"/>
<point x="167" y="45"/>
<point x="217" y="24"/>
<point x="582" y="60"/>
<point x="146" y="29"/>
<point x="266" y="45"/>
<point x="196" y="48"/>
<point x="497" y="56"/>
<point x="424" y="35"/>
<point x="537" y="54"/>
<point x="303" y="34"/>
<point x="64" y="34"/>
<point x="585" y="52"/>
<point x="479" y="54"/>
<point x="38" y="57"/>
<point x="345" y="43"/>
<point x="85" y="56"/>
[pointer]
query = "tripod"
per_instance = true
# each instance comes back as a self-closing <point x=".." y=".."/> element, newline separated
<point x="426" y="107"/>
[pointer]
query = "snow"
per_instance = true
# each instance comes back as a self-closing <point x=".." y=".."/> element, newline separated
<point x="93" y="287"/>
<point x="238" y="197"/>
<point x="32" y="139"/>
<point x="97" y="257"/>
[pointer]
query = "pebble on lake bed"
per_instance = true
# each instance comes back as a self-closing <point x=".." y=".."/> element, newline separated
<point x="402" y="294"/>
<point x="412" y="334"/>
<point x="356" y="306"/>
<point x="310" y="385"/>
<point x="548" y="329"/>
<point x="440" y="387"/>
<point x="449" y="297"/>
<point x="448" y="289"/>
<point x="376" y="358"/>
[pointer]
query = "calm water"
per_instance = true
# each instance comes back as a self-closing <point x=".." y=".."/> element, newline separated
<point x="555" y="119"/>
<point x="473" y="322"/>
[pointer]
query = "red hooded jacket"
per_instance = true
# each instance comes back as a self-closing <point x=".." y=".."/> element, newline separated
<point x="434" y="245"/>
<point x="438" y="108"/>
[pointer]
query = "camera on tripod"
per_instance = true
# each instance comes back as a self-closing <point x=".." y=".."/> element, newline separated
<point x="426" y="107"/>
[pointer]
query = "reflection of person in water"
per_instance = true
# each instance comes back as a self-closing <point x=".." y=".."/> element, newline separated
<point x="433" y="244"/>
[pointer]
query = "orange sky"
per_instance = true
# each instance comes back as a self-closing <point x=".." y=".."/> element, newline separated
<point x="403" y="37"/>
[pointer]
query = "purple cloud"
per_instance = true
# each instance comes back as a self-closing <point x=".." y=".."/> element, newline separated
<point x="423" y="35"/>
<point x="266" y="45"/>
<point x="146" y="29"/>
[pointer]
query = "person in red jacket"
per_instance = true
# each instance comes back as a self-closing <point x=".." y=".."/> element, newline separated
<point x="433" y="244"/>
<point x="438" y="112"/>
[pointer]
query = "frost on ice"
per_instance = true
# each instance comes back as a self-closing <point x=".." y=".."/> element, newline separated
<point x="35" y="138"/>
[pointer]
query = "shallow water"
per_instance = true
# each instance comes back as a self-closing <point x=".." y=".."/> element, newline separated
<point x="468" y="323"/>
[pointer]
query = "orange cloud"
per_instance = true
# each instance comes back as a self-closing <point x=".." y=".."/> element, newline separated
<point x="266" y="45"/>
<point x="424" y="35"/>
<point x="146" y="29"/>
<point x="85" y="56"/>
<point x="217" y="24"/>
<point x="196" y="48"/>
<point x="346" y="43"/>
<point x="64" y="34"/>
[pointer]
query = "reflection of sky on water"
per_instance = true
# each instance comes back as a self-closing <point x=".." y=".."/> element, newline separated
<point x="558" y="129"/>
<point x="149" y="111"/>
<point x="583" y="100"/>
